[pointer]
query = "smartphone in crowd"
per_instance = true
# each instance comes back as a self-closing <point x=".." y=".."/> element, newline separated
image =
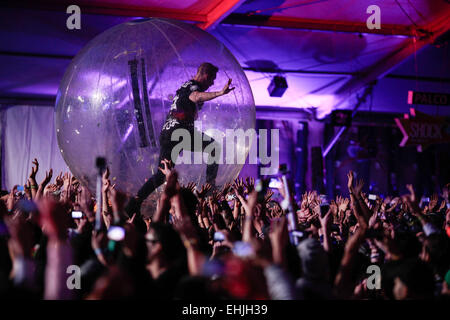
<point x="219" y="236"/>
<point x="77" y="214"/>
<point x="242" y="249"/>
<point x="20" y="191"/>
<point x="274" y="183"/>
<point x="372" y="197"/>
<point x="116" y="233"/>
<point x="230" y="197"/>
<point x="425" y="201"/>
<point x="298" y="234"/>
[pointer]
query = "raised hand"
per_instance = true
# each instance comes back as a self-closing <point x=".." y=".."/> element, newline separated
<point x="226" y="89"/>
<point x="27" y="189"/>
<point x="67" y="178"/>
<point x="411" y="192"/>
<point x="86" y="203"/>
<point x="11" y="199"/>
<point x="50" y="189"/>
<point x="190" y="186"/>
<point x="433" y="202"/>
<point x="226" y="188"/>
<point x="249" y="184"/>
<point x="118" y="200"/>
<point x="343" y="204"/>
<point x="334" y="211"/>
<point x="34" y="169"/>
<point x="215" y="196"/>
<point x="325" y="221"/>
<point x="358" y="186"/>
<point x="59" y="180"/>
<point x="168" y="166"/>
<point x="239" y="187"/>
<point x="203" y="191"/>
<point x="350" y="177"/>
<point x="415" y="210"/>
<point x="172" y="186"/>
<point x="442" y="206"/>
<point x="268" y="196"/>
<point x="48" y="177"/>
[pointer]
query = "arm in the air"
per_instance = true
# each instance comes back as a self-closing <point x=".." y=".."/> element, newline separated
<point x="199" y="97"/>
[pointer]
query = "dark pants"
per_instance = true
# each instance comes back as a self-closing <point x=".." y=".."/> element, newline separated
<point x="166" y="146"/>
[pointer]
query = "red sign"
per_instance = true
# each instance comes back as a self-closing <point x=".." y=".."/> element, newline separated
<point x="422" y="129"/>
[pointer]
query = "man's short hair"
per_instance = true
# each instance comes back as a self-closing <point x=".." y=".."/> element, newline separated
<point x="207" y="68"/>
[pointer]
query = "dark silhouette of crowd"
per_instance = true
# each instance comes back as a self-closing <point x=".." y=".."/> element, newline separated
<point x="243" y="241"/>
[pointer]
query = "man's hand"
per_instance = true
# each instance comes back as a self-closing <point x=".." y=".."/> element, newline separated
<point x="118" y="200"/>
<point x="325" y="221"/>
<point x="203" y="191"/>
<point x="350" y="177"/>
<point x="34" y="169"/>
<point x="433" y="202"/>
<point x="411" y="192"/>
<point x="342" y="203"/>
<point x="168" y="166"/>
<point x="225" y="190"/>
<point x="190" y="186"/>
<point x="66" y="180"/>
<point x="172" y="186"/>
<point x="11" y="199"/>
<point x="249" y="184"/>
<point x="59" y="180"/>
<point x="358" y="186"/>
<point x="239" y="187"/>
<point x="86" y="203"/>
<point x="48" y="177"/>
<point x="226" y="89"/>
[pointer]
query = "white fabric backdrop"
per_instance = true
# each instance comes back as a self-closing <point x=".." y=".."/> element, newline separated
<point x="28" y="133"/>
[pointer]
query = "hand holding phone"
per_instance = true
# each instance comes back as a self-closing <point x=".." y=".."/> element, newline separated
<point x="77" y="214"/>
<point x="243" y="249"/>
<point x="230" y="197"/>
<point x="219" y="236"/>
<point x="116" y="233"/>
<point x="274" y="183"/>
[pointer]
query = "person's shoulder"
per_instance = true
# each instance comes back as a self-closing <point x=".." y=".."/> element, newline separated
<point x="193" y="85"/>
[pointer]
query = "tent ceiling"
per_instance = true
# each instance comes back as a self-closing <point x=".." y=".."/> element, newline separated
<point x="322" y="47"/>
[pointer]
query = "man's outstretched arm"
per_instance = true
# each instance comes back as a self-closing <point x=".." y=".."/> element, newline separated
<point x="199" y="97"/>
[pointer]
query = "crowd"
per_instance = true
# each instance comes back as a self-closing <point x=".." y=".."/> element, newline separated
<point x="243" y="241"/>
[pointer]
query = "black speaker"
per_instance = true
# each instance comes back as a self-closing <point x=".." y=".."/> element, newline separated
<point x="277" y="86"/>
